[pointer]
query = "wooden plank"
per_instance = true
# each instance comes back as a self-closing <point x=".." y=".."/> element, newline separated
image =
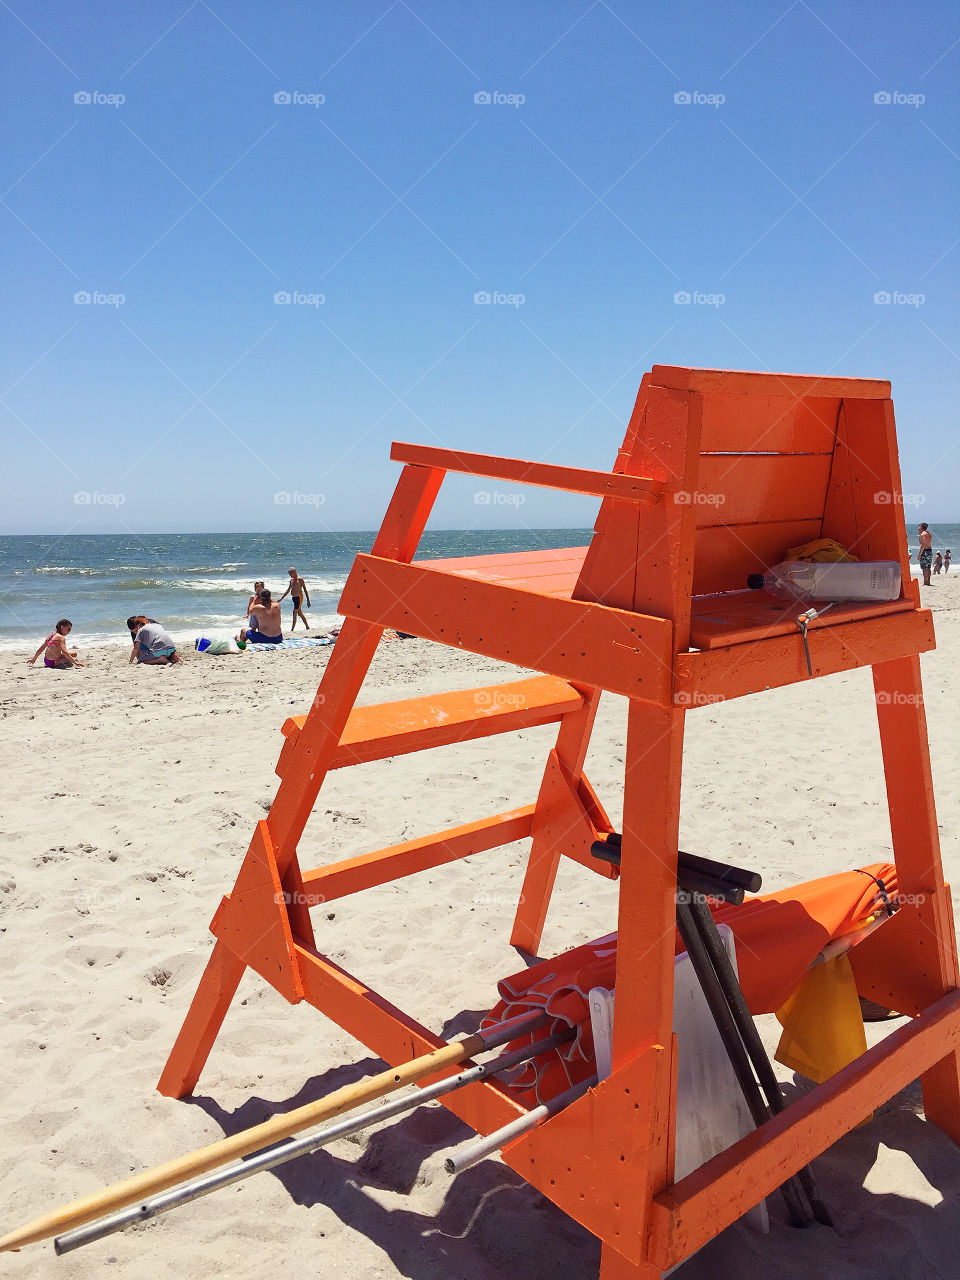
<point x="743" y="616"/>
<point x="601" y="484"/>
<point x="727" y="554"/>
<point x="744" y="422"/>
<point x="396" y="1037"/>
<point x="552" y="574"/>
<point x="418" y="724"/>
<point x="717" y="674"/>
<point x="694" y="1210"/>
<point x="628" y="653"/>
<point x="709" y="381"/>
<point x="751" y="488"/>
<point x="324" y="884"/>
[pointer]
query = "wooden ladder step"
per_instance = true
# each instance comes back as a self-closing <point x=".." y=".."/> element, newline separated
<point x="417" y="724"/>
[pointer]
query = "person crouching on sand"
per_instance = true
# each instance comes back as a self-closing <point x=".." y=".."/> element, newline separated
<point x="297" y="590"/>
<point x="266" y="627"/>
<point x="152" y="645"/>
<point x="54" y="648"/>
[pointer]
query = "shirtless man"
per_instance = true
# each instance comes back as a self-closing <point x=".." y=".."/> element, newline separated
<point x="926" y="553"/>
<point x="297" y="590"/>
<point x="266" y="617"/>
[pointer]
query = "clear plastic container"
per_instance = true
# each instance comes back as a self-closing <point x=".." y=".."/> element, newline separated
<point x="800" y="581"/>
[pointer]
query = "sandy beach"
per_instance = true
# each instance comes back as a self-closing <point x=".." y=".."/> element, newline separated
<point x="131" y="798"/>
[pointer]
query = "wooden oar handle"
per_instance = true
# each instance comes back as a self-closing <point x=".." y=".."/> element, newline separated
<point x="141" y="1185"/>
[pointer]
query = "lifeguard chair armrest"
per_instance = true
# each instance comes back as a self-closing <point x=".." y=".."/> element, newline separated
<point x="601" y="484"/>
<point x="590" y="644"/>
<point x="713" y="675"/>
<point x="681" y="378"/>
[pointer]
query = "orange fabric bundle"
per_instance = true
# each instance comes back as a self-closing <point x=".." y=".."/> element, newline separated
<point x="778" y="935"/>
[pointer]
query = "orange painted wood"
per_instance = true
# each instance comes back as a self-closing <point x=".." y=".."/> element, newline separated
<point x="716" y="674"/>
<point x="602" y="484"/>
<point x="742" y="616"/>
<point x="566" y="638"/>
<point x="590" y="1158"/>
<point x="253" y="920"/>
<point x="739" y="422"/>
<point x="713" y="381"/>
<point x="545" y="851"/>
<point x="727" y="554"/>
<point x="202" y="1024"/>
<point x="397" y="1038"/>
<point x="324" y="884"/>
<point x="746" y="488"/>
<point x="697" y="1208"/>
<point x="419" y="724"/>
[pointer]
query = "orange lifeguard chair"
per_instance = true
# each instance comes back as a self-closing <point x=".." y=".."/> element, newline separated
<point x="720" y="472"/>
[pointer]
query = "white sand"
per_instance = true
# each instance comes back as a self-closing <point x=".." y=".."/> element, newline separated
<point x="134" y="794"/>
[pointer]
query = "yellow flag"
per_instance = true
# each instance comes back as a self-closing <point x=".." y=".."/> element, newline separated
<point x="822" y="1023"/>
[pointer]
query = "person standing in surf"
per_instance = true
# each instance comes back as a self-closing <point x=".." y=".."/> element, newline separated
<point x="297" y="590"/>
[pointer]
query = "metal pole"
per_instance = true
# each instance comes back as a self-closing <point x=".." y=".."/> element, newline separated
<point x="195" y="1188"/>
<point x="473" y="1152"/>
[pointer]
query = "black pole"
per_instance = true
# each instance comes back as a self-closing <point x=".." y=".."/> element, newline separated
<point x="733" y="994"/>
<point x="730" y="1036"/>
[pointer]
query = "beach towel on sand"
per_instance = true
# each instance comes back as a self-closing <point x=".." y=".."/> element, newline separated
<point x="777" y="936"/>
<point x="290" y="644"/>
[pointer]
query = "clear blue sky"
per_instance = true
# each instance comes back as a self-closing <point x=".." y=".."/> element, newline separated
<point x="597" y="198"/>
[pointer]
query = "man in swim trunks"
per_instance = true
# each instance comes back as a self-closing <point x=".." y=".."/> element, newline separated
<point x="297" y="590"/>
<point x="152" y="645"/>
<point x="266" y="618"/>
<point x="926" y="553"/>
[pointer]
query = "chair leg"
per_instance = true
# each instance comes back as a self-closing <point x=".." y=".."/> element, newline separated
<point x="202" y="1023"/>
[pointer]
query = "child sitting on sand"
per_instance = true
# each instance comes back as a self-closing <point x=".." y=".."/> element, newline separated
<point x="57" y="654"/>
<point x="152" y="646"/>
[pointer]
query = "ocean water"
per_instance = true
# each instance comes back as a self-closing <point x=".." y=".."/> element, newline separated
<point x="198" y="583"/>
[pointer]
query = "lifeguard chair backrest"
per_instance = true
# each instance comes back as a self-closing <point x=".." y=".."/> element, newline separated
<point x="758" y="463"/>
